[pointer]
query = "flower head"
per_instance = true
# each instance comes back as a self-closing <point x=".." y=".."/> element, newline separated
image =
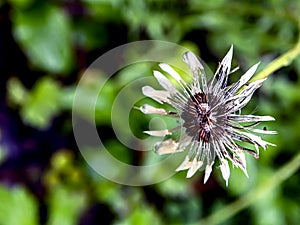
<point x="211" y="124"/>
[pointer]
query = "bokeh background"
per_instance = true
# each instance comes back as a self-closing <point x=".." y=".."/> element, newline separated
<point x="45" y="46"/>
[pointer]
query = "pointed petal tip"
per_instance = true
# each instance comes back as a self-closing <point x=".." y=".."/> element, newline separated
<point x="195" y="165"/>
<point x="268" y="118"/>
<point x="186" y="164"/>
<point x="230" y="51"/>
<point x="160" y="96"/>
<point x="208" y="170"/>
<point x="166" y="147"/>
<point x="148" y="109"/>
<point x="189" y="174"/>
<point x="157" y="73"/>
<point x="157" y="133"/>
<point x="274" y="145"/>
<point x="167" y="68"/>
<point x="192" y="60"/>
<point x="226" y="61"/>
<point x="244" y="169"/>
<point x="225" y="170"/>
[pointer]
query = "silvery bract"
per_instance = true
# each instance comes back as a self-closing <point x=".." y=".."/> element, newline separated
<point x="210" y="117"/>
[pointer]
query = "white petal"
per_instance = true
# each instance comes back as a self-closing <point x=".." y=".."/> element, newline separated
<point x="226" y="62"/>
<point x="148" y="109"/>
<point x="166" y="147"/>
<point x="244" y="79"/>
<point x="167" y="68"/>
<point x="222" y="71"/>
<point x="194" y="167"/>
<point x="255" y="139"/>
<point x="184" y="141"/>
<point x="264" y="131"/>
<point x="249" y="73"/>
<point x="208" y="170"/>
<point x="250" y="89"/>
<point x="158" y="133"/>
<point x="225" y="170"/>
<point x="246" y="94"/>
<point x="242" y="159"/>
<point x="197" y="70"/>
<point x="164" y="82"/>
<point x="186" y="164"/>
<point x="192" y="60"/>
<point x="159" y="96"/>
<point x="250" y="118"/>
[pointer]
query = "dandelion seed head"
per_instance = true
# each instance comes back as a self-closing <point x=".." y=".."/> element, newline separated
<point x="212" y="126"/>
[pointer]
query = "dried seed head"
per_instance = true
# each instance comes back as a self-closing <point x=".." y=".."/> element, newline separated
<point x="211" y="123"/>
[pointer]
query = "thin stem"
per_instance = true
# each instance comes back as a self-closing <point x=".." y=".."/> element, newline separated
<point x="278" y="177"/>
<point x="281" y="61"/>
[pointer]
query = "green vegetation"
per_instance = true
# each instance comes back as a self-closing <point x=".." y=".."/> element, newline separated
<point x="45" y="48"/>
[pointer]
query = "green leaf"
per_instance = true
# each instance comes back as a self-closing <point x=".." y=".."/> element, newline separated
<point x="21" y="3"/>
<point x="17" y="207"/>
<point x="92" y="85"/>
<point x="89" y="34"/>
<point x="17" y="93"/>
<point x="141" y="216"/>
<point x="42" y="104"/>
<point x="65" y="206"/>
<point x="45" y="35"/>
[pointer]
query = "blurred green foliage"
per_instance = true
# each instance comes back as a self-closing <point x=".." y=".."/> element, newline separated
<point x="19" y="206"/>
<point x="59" y="40"/>
<point x="45" y="34"/>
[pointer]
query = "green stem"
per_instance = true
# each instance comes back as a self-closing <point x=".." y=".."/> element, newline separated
<point x="277" y="178"/>
<point x="281" y="61"/>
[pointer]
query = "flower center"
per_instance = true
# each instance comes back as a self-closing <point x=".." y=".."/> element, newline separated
<point x="196" y="117"/>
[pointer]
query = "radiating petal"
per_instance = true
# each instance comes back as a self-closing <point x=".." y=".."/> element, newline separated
<point x="223" y="71"/>
<point x="255" y="139"/>
<point x="249" y="90"/>
<point x="185" y="140"/>
<point x="167" y="68"/>
<point x="263" y="131"/>
<point x="242" y="160"/>
<point x="244" y="79"/>
<point x="208" y="170"/>
<point x="157" y="95"/>
<point x="193" y="62"/>
<point x="194" y="167"/>
<point x="165" y="83"/>
<point x="186" y="88"/>
<point x="197" y="70"/>
<point x="226" y="62"/>
<point x="148" y="109"/>
<point x="186" y="164"/>
<point x="167" y="147"/>
<point x="250" y="118"/>
<point x="158" y="133"/>
<point x="246" y="95"/>
<point x="225" y="170"/>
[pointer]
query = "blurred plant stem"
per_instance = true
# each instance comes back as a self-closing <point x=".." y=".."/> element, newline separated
<point x="230" y="210"/>
<point x="283" y="60"/>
